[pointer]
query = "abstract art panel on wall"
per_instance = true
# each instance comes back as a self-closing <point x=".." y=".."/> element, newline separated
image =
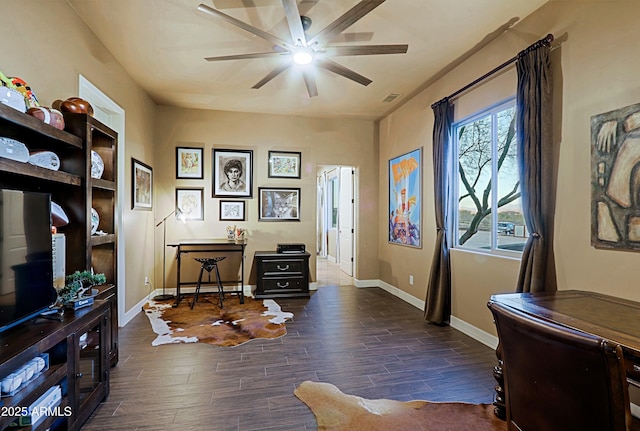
<point x="615" y="179"/>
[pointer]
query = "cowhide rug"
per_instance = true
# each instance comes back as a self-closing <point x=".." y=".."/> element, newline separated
<point x="335" y="411"/>
<point x="232" y="325"/>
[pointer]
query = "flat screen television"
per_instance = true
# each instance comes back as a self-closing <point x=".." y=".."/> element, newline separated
<point x="26" y="270"/>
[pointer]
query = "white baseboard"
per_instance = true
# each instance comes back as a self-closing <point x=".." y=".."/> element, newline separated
<point x="458" y="324"/>
<point x="474" y="332"/>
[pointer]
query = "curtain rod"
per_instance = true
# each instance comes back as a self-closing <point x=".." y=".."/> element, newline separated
<point x="544" y="41"/>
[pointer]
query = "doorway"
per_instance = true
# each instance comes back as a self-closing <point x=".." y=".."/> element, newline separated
<point x="336" y="229"/>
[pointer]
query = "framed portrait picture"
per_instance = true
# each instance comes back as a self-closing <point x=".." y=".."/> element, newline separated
<point x="232" y="210"/>
<point x="284" y="164"/>
<point x="279" y="204"/>
<point x="405" y="206"/>
<point x="232" y="173"/>
<point x="141" y="186"/>
<point x="191" y="202"/>
<point x="189" y="163"/>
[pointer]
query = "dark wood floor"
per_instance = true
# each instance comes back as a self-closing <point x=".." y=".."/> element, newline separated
<point x="365" y="341"/>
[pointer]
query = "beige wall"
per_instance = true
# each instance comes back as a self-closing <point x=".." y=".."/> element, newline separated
<point x="321" y="141"/>
<point x="595" y="71"/>
<point x="48" y="46"/>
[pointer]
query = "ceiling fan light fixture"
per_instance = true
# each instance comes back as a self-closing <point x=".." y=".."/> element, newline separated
<point x="302" y="57"/>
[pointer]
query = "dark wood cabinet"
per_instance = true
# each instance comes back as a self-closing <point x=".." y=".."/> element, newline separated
<point x="77" y="355"/>
<point x="101" y="196"/>
<point x="281" y="274"/>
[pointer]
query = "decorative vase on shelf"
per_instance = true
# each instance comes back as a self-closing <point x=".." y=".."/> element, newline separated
<point x="240" y="234"/>
<point x="231" y="232"/>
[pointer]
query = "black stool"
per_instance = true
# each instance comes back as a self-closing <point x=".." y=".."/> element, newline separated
<point x="209" y="264"/>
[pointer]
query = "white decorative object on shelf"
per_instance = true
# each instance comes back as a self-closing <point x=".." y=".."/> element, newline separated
<point x="12" y="97"/>
<point x="58" y="215"/>
<point x="97" y="165"/>
<point x="45" y="159"/>
<point x="14" y="150"/>
<point x="95" y="221"/>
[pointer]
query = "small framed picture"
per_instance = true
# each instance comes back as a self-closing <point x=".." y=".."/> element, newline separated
<point x="189" y="163"/>
<point x="232" y="210"/>
<point x="284" y="164"/>
<point x="191" y="202"/>
<point x="279" y="204"/>
<point x="232" y="173"/>
<point x="141" y="186"/>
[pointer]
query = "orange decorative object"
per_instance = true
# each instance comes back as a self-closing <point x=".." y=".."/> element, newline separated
<point x="29" y="97"/>
<point x="75" y="105"/>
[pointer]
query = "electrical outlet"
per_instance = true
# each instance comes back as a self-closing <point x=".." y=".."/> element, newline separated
<point x="411" y="280"/>
<point x="146" y="279"/>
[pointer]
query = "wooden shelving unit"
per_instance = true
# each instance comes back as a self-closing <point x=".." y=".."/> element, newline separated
<point x="73" y="188"/>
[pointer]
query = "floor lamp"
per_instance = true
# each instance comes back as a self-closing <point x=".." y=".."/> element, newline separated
<point x="179" y="216"/>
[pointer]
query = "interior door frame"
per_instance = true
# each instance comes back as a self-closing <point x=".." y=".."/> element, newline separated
<point x="325" y="212"/>
<point x="111" y="114"/>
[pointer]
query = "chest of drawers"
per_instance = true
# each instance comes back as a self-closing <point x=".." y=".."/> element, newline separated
<point x="281" y="274"/>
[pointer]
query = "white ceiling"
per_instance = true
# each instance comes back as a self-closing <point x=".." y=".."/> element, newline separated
<point x="162" y="45"/>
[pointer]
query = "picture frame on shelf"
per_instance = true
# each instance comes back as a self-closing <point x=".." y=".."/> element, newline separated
<point x="284" y="164"/>
<point x="279" y="204"/>
<point x="189" y="163"/>
<point x="232" y="173"/>
<point x="141" y="186"/>
<point x="233" y="210"/>
<point x="191" y="202"/>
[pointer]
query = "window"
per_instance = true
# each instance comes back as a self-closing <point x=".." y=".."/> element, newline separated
<point x="488" y="212"/>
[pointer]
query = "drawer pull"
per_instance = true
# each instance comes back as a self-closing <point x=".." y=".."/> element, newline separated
<point x="282" y="285"/>
<point x="636" y="368"/>
<point x="283" y="268"/>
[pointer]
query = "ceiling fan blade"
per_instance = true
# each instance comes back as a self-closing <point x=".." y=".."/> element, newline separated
<point x="275" y="72"/>
<point x="366" y="49"/>
<point x="344" y="22"/>
<point x="334" y="67"/>
<point x="244" y="56"/>
<point x="295" y="23"/>
<point x="247" y="27"/>
<point x="310" y="82"/>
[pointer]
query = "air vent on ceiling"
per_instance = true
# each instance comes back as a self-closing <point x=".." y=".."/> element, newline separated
<point x="391" y="97"/>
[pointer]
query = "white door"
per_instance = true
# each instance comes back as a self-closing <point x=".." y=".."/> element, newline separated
<point x="345" y="220"/>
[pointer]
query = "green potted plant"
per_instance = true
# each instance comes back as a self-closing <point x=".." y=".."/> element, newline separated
<point x="74" y="293"/>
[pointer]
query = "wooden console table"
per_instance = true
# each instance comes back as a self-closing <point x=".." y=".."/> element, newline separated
<point x="201" y="247"/>
<point x="604" y="316"/>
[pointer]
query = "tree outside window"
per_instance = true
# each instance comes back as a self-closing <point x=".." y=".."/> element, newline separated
<point x="489" y="207"/>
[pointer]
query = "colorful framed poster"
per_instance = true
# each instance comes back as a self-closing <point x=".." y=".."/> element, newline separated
<point x="405" y="205"/>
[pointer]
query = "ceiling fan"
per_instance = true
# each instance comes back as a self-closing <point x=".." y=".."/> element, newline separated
<point x="306" y="49"/>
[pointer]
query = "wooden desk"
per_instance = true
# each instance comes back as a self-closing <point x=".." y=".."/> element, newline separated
<point x="208" y="247"/>
<point x="604" y="316"/>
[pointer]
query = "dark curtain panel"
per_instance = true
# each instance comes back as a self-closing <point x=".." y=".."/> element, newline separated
<point x="535" y="162"/>
<point x="438" y="302"/>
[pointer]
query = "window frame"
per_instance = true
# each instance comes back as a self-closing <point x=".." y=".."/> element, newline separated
<point x="491" y="110"/>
